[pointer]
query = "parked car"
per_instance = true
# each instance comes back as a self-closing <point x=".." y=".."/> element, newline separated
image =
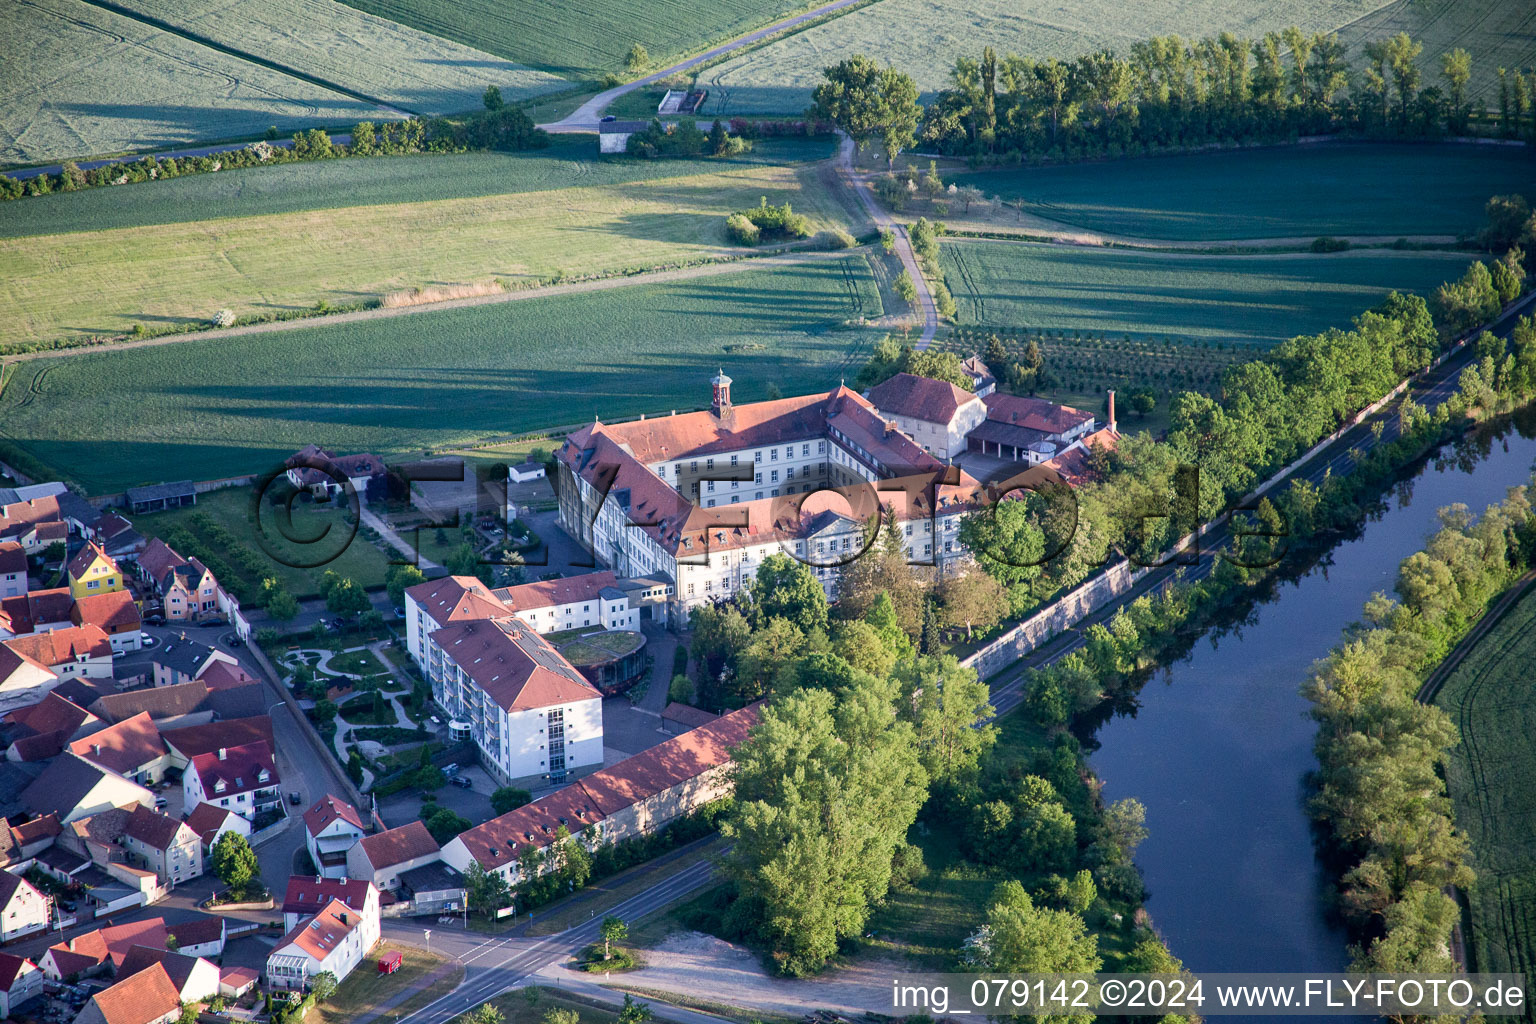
<point x="609" y="117"/>
<point x="160" y="803"/>
<point x="146" y="640"/>
<point x="154" y="620"/>
<point x="235" y="641"/>
<point x="294" y="798"/>
<point x="462" y="781"/>
<point x="451" y="770"/>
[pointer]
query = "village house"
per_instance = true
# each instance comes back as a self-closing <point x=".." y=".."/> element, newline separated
<point x="169" y="848"/>
<point x="243" y="779"/>
<point x="13" y="570"/>
<point x="210" y="822"/>
<point x="132" y="748"/>
<point x="20" y="980"/>
<point x="37" y="612"/>
<point x="383" y="858"/>
<point x="93" y="571"/>
<point x="203" y="936"/>
<point x="934" y="413"/>
<point x="103" y="949"/>
<point x="23" y="681"/>
<point x="40" y="731"/>
<point x="117" y="537"/>
<point x="983" y="382"/>
<point x="115" y="614"/>
<point x="331" y="828"/>
<point x="83" y="652"/>
<point x="72" y="787"/>
<point x="188" y="592"/>
<point x="185" y="743"/>
<point x="148" y="997"/>
<point x="590" y="599"/>
<point x="23" y="910"/>
<point x="180" y="660"/>
<point x="702" y="498"/>
<point x="34" y="523"/>
<point x="1028" y="430"/>
<point x="531" y="714"/>
<point x="316" y="470"/>
<point x="336" y="940"/>
<point x="307" y="895"/>
<point x="196" y="979"/>
<point x="634" y="797"/>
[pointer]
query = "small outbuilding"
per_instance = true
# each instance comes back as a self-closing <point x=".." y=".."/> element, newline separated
<point x="156" y="497"/>
<point x="613" y="136"/>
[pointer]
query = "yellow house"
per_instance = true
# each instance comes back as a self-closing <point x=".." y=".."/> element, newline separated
<point x="91" y="571"/>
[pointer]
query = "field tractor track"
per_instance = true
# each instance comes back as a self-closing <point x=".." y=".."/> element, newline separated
<point x="978" y="305"/>
<point x="251" y="58"/>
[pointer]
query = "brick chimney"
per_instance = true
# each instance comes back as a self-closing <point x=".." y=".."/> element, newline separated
<point x="1111" y="409"/>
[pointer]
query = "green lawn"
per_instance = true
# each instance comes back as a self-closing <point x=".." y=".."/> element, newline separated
<point x="1286" y="191"/>
<point x="923" y="38"/>
<point x="427" y="976"/>
<point x="582" y="37"/>
<point x="1245" y="299"/>
<point x="357" y="663"/>
<point x="569" y="161"/>
<point x="105" y="281"/>
<point x="231" y="509"/>
<point x="77" y="80"/>
<point x="1489" y="776"/>
<point x="398" y="385"/>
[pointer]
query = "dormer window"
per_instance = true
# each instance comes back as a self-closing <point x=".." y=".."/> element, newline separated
<point x="218" y="787"/>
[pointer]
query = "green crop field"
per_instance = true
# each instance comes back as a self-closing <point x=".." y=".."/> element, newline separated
<point x="1489" y="776"/>
<point x="1497" y="33"/>
<point x="584" y="37"/>
<point x="400" y="384"/>
<point x="923" y="38"/>
<point x="1244" y="299"/>
<point x="380" y="59"/>
<point x="336" y="184"/>
<point x="1286" y="191"/>
<point x="76" y="80"/>
<point x="106" y="281"/>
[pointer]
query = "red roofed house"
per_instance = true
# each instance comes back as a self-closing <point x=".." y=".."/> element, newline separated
<point x="23" y="910"/>
<point x="23" y="680"/>
<point x="148" y="997"/>
<point x="532" y="714"/>
<point x="307" y="895"/>
<point x="331" y="828"/>
<point x="210" y="822"/>
<point x="314" y="469"/>
<point x="106" y="947"/>
<point x="13" y="569"/>
<point x="196" y="979"/>
<point x="336" y="940"/>
<point x="169" y="848"/>
<point x="187" y="742"/>
<point x="591" y="599"/>
<point x="638" y="795"/>
<point x="20" y="980"/>
<point x="243" y="779"/>
<point x="201" y="936"/>
<point x="383" y="858"/>
<point x="1028" y="430"/>
<point x="132" y="748"/>
<point x="33" y="524"/>
<point x="76" y="652"/>
<point x="38" y="610"/>
<point x="115" y="613"/>
<point x="437" y="603"/>
<point x="188" y="591"/>
<point x="934" y="413"/>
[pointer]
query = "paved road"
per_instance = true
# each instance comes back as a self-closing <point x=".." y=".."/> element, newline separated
<point x="885" y="222"/>
<point x="1432" y="389"/>
<point x="586" y="117"/>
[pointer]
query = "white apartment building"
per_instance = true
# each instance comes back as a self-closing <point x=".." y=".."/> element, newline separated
<point x="531" y="714"/>
<point x="336" y="939"/>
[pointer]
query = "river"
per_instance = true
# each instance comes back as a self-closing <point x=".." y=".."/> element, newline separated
<point x="1218" y="744"/>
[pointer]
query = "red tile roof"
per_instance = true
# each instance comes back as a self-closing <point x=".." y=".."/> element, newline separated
<point x="17" y="518"/>
<point x="319" y="935"/>
<point x="206" y="819"/>
<point x="59" y="646"/>
<point x="550" y="593"/>
<point x="683" y="757"/>
<point x="37" y="829"/>
<point x="112" y="942"/>
<point x="159" y="558"/>
<point x="327" y="811"/>
<point x="10" y="968"/>
<point x="51" y="714"/>
<point x="26" y="612"/>
<point x="531" y="827"/>
<point x="240" y="769"/>
<point x="113" y="613"/>
<point x="140" y="998"/>
<point x="515" y="666"/>
<point x="198" y="931"/>
<point x="192" y="740"/>
<point x="221" y="675"/>
<point x="398" y="845"/>
<point x="156" y="830"/>
<point x="456" y="599"/>
<point x="13" y="558"/>
<point x="919" y="398"/>
<point x="1034" y="413"/>
<point x="307" y="893"/>
<point x="125" y="747"/>
<point x="1075" y="465"/>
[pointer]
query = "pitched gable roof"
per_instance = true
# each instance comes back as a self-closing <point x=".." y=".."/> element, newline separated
<point x="13" y="558"/>
<point x="124" y="747"/>
<point x="327" y="811"/>
<point x="88" y="555"/>
<point x="531" y="827"/>
<point x="158" y="559"/>
<point x="515" y="666"/>
<point x="398" y="845"/>
<point x="139" y="998"/>
<point x="10" y="969"/>
<point x="551" y="593"/>
<point x="62" y="785"/>
<point x="206" y="819"/>
<point x="1034" y="413"/>
<point x="319" y="935"/>
<point x="61" y="646"/>
<point x="157" y="831"/>
<point x="198" y="931"/>
<point x="240" y="769"/>
<point x="455" y="599"/>
<point x="112" y="612"/>
<point x="178" y="966"/>
<point x="221" y="675"/>
<point x="309" y="893"/>
<point x="18" y="517"/>
<point x="920" y="398"/>
<point x="159" y="701"/>
<point x="8" y="886"/>
<point x="53" y="713"/>
<point x="670" y="762"/>
<point x="191" y="740"/>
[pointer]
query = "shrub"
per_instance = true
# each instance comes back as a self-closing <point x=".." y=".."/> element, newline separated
<point x="224" y="318"/>
<point x="1327" y="243"/>
<point x="742" y="230"/>
<point x="680" y="690"/>
<point x="837" y="238"/>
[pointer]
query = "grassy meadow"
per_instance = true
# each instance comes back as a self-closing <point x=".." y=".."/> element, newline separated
<point x="88" y="282"/>
<point x="1278" y="192"/>
<point x="388" y="62"/>
<point x="569" y="161"/>
<point x="581" y="37"/>
<point x="923" y="38"/>
<point x="77" y="80"/>
<point x="398" y="385"/>
<point x="1489" y="776"/>
<point x="1250" y="300"/>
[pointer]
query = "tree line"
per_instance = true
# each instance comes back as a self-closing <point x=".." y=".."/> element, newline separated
<point x="1169" y="93"/>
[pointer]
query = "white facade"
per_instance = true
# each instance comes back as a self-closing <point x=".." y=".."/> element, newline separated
<point x="943" y="440"/>
<point x="25" y="912"/>
<point x="335" y="940"/>
<point x="613" y="612"/>
<point x="331" y="849"/>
